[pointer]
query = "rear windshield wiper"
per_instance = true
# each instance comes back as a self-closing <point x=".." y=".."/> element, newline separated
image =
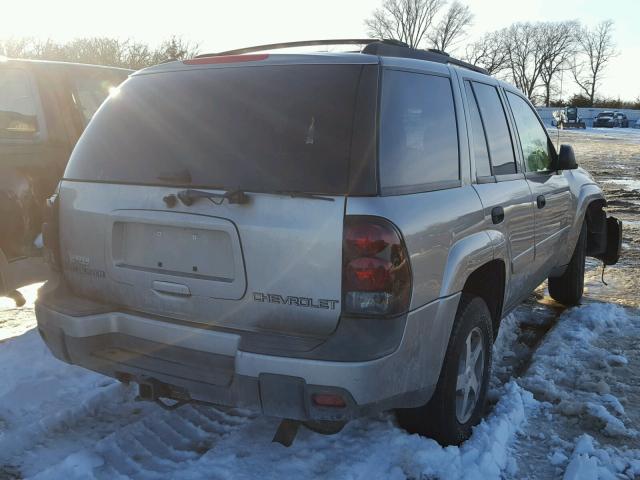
<point x="294" y="194"/>
<point x="189" y="196"/>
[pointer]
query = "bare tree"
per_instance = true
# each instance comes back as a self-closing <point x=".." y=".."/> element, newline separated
<point x="15" y="47"/>
<point x="138" y="55"/>
<point x="488" y="52"/>
<point x="100" y="51"/>
<point x="175" y="48"/>
<point x="596" y="47"/>
<point x="405" y="20"/>
<point x="452" y="26"/>
<point x="524" y="45"/>
<point x="96" y="50"/>
<point x="558" y="44"/>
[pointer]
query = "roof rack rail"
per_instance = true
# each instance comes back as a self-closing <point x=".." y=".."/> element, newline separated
<point x="388" y="49"/>
<point x="372" y="46"/>
<point x="302" y="43"/>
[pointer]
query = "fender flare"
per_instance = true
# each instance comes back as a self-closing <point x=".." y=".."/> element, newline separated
<point x="589" y="193"/>
<point x="465" y="256"/>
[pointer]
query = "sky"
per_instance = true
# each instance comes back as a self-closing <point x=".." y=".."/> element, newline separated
<point x="222" y="25"/>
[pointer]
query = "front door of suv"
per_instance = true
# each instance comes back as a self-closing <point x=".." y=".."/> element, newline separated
<point x="551" y="193"/>
<point x="502" y="188"/>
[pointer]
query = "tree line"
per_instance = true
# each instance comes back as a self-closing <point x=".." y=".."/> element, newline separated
<point x="100" y="51"/>
<point x="540" y="58"/>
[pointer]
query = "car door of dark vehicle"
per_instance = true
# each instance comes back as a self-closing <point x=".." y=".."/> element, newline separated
<point x="23" y="136"/>
<point x="550" y="189"/>
<point x="503" y="190"/>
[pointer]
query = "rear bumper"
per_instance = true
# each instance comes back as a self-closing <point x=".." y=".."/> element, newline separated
<point x="209" y="366"/>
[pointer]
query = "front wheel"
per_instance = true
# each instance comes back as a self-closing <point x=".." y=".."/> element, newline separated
<point x="458" y="401"/>
<point x="569" y="287"/>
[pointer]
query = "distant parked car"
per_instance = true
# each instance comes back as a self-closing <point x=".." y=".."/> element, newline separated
<point x="611" y="119"/>
<point x="621" y="120"/>
<point x="44" y="108"/>
<point x="568" y="118"/>
<point x="637" y="124"/>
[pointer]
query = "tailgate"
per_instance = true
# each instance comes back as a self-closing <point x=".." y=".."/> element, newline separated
<point x="273" y="264"/>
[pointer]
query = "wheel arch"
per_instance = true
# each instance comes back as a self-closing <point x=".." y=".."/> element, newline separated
<point x="488" y="282"/>
<point x="473" y="267"/>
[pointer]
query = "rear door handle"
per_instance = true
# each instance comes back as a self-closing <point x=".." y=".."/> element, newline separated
<point x="497" y="215"/>
<point x="541" y="201"/>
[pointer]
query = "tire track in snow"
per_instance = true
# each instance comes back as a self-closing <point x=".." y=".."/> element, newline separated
<point x="154" y="446"/>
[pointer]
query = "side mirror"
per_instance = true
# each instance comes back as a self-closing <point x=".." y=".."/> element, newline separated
<point x="566" y="158"/>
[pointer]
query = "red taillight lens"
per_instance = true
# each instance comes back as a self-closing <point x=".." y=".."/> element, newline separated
<point x="368" y="274"/>
<point x="376" y="277"/>
<point x="367" y="239"/>
<point x="50" y="233"/>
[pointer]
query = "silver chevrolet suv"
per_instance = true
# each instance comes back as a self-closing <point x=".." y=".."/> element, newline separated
<point x="313" y="236"/>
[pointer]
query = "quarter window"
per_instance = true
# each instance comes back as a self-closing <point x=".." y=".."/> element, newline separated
<point x="533" y="138"/>
<point x="497" y="129"/>
<point x="17" y="106"/>
<point x="418" y="132"/>
<point x="478" y="136"/>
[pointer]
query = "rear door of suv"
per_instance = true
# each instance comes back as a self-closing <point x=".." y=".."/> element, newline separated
<point x="500" y="183"/>
<point x="550" y="189"/>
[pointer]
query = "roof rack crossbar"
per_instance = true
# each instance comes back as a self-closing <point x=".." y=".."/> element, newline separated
<point x="302" y="43"/>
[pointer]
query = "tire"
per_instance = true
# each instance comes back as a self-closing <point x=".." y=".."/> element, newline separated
<point x="568" y="288"/>
<point x="445" y="418"/>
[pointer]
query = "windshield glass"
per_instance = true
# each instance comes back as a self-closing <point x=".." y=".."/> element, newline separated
<point x="266" y="128"/>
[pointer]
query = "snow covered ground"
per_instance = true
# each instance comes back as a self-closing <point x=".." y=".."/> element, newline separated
<point x="564" y="399"/>
<point x="574" y="412"/>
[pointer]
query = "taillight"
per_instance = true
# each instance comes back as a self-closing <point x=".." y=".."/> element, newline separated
<point x="376" y="277"/>
<point x="51" y="233"/>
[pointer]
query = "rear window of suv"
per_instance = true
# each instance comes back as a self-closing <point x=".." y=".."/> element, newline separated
<point x="418" y="133"/>
<point x="263" y="128"/>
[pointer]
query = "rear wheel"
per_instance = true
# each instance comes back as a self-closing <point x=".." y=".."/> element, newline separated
<point x="458" y="401"/>
<point x="569" y="287"/>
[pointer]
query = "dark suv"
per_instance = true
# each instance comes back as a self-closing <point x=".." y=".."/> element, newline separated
<point x="44" y="107"/>
<point x="611" y="119"/>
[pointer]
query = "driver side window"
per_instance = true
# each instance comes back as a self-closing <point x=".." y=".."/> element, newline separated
<point x="536" y="148"/>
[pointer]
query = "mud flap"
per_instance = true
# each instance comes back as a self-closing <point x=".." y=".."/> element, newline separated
<point x="611" y="254"/>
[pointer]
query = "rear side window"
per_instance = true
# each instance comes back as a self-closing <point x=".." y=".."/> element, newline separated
<point x="479" y="139"/>
<point x="418" y="132"/>
<point x="18" y="117"/>
<point x="498" y="136"/>
<point x="256" y="128"/>
<point x="535" y="143"/>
